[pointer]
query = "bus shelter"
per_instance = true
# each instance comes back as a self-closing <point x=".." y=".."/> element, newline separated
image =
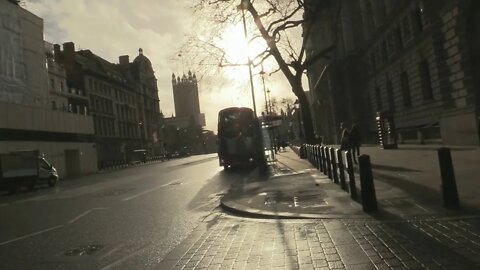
<point x="271" y="140"/>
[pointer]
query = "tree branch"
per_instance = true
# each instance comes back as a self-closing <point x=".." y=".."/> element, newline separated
<point x="283" y="19"/>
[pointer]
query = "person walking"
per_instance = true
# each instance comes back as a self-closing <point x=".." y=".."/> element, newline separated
<point x="355" y="142"/>
<point x="345" y="139"/>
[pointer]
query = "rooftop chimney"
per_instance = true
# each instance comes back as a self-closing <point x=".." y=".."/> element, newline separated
<point x="123" y="60"/>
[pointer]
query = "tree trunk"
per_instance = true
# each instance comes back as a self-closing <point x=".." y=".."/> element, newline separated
<point x="306" y="114"/>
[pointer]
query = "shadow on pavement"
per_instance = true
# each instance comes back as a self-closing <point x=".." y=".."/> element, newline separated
<point x="392" y="168"/>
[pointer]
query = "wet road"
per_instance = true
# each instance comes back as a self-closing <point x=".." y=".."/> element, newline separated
<point x="126" y="219"/>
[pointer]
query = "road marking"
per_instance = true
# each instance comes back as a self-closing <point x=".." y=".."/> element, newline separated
<point x="86" y="213"/>
<point x="4" y="204"/>
<point x="423" y="208"/>
<point x="115" y="263"/>
<point x="149" y="190"/>
<point x="80" y="216"/>
<point x="30" y="235"/>
<point x="108" y="253"/>
<point x="101" y="208"/>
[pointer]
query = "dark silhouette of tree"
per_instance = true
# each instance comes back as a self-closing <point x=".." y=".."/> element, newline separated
<point x="284" y="26"/>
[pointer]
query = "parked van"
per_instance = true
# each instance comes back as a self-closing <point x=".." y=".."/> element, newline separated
<point x="25" y="168"/>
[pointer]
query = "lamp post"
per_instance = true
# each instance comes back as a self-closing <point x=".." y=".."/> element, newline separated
<point x="244" y="5"/>
<point x="269" y="104"/>
<point x="262" y="74"/>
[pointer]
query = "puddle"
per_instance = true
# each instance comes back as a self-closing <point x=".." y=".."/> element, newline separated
<point x="83" y="250"/>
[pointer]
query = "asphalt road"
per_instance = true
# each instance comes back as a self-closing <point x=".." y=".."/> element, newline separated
<point x="125" y="219"/>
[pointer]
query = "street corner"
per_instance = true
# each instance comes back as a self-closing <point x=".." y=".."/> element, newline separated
<point x="303" y="194"/>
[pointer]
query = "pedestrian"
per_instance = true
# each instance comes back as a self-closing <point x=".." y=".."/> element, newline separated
<point x="355" y="142"/>
<point x="345" y="140"/>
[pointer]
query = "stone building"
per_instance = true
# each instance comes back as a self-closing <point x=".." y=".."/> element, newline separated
<point x="183" y="132"/>
<point x="141" y="73"/>
<point x="22" y="60"/>
<point x="27" y="120"/>
<point x="415" y="59"/>
<point x="122" y="98"/>
<point x="186" y="99"/>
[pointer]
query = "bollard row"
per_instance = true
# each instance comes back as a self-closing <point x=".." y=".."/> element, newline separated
<point x="330" y="162"/>
<point x="337" y="165"/>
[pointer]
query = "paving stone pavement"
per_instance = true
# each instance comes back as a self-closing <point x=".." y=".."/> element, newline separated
<point x="236" y="243"/>
<point x="406" y="234"/>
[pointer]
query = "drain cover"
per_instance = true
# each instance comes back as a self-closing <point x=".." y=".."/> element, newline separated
<point x="83" y="250"/>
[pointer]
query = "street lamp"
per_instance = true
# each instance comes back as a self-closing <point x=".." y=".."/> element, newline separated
<point x="263" y="74"/>
<point x="244" y="4"/>
<point x="269" y="102"/>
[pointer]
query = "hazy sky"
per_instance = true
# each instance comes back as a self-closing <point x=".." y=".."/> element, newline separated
<point x="118" y="27"/>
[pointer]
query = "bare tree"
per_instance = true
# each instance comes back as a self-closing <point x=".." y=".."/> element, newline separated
<point x="284" y="26"/>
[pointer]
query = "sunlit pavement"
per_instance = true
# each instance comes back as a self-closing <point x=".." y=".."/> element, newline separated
<point x="406" y="233"/>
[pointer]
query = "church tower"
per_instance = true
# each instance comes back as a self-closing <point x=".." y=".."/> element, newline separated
<point x="186" y="98"/>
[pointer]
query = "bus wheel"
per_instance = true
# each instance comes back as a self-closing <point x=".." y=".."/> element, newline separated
<point x="52" y="181"/>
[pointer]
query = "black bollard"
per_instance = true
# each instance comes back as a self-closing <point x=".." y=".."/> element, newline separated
<point x="351" y="176"/>
<point x="449" y="185"/>
<point x="317" y="151"/>
<point x="369" y="198"/>
<point x="334" y="165"/>
<point x="329" y="163"/>
<point x="322" y="160"/>
<point x="341" y="170"/>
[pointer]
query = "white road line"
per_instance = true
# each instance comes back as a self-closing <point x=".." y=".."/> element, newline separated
<point x="108" y="253"/>
<point x="148" y="191"/>
<point x="115" y="263"/>
<point x="101" y="208"/>
<point x="79" y="216"/>
<point x="30" y="235"/>
<point x="86" y="213"/>
<point x="423" y="208"/>
<point x="4" y="204"/>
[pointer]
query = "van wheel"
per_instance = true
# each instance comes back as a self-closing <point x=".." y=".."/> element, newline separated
<point x="12" y="188"/>
<point x="31" y="185"/>
<point x="52" y="181"/>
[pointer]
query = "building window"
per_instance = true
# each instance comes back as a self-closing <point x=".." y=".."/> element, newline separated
<point x="407" y="30"/>
<point x="52" y="84"/>
<point x="372" y="61"/>
<point x="61" y="86"/>
<point x="54" y="105"/>
<point x="398" y="38"/>
<point x="390" y="44"/>
<point x="426" y="81"/>
<point x="378" y="98"/>
<point x="90" y="83"/>
<point x="384" y="50"/>
<point x="407" y="100"/>
<point x="391" y="98"/>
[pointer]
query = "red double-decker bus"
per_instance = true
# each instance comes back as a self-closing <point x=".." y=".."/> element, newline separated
<point x="237" y="140"/>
